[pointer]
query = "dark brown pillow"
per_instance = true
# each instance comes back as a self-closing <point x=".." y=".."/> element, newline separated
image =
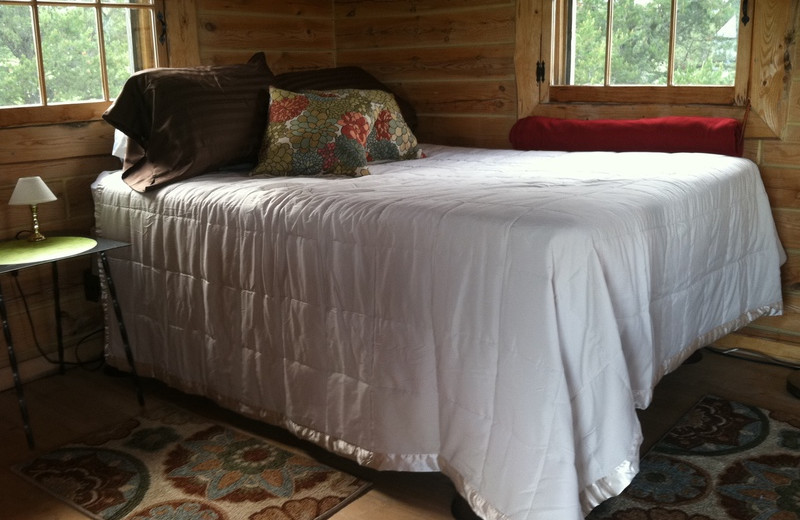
<point x="187" y="121"/>
<point x="341" y="78"/>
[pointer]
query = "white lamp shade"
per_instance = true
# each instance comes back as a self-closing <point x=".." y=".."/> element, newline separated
<point x="31" y="190"/>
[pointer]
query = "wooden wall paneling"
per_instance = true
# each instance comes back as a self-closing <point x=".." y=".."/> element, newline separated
<point x="785" y="327"/>
<point x="752" y="150"/>
<point x="790" y="271"/>
<point x="231" y="31"/>
<point x="782" y="185"/>
<point x="768" y="347"/>
<point x="787" y="221"/>
<point x="485" y="132"/>
<point x="382" y="8"/>
<point x="791" y="133"/>
<point x="286" y="8"/>
<point x="54" y="142"/>
<point x="278" y="61"/>
<point x="59" y="168"/>
<point x="492" y="24"/>
<point x="793" y="115"/>
<point x="774" y="23"/>
<point x="425" y="64"/>
<point x="779" y="153"/>
<point x="27" y="116"/>
<point x="782" y="176"/>
<point x="256" y="33"/>
<point x="475" y="97"/>
<point x="783" y="198"/>
<point x="182" y="34"/>
<point x="527" y="51"/>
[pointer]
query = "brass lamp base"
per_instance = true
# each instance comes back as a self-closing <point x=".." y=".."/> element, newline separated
<point x="35" y="236"/>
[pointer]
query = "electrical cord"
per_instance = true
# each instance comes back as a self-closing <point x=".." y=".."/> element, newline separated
<point x="752" y="355"/>
<point x="79" y="363"/>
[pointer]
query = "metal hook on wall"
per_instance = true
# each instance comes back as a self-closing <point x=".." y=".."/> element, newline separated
<point x="162" y="36"/>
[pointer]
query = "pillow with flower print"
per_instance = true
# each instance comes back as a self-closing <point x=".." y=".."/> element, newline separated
<point x="316" y="132"/>
<point x="391" y="138"/>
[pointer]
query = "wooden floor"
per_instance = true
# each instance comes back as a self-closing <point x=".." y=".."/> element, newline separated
<point x="63" y="408"/>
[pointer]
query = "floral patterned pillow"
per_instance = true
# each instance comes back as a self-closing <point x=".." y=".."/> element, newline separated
<point x="333" y="132"/>
<point x="313" y="133"/>
<point x="391" y="138"/>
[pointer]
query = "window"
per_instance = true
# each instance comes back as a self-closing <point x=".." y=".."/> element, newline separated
<point x="663" y="51"/>
<point x="57" y="54"/>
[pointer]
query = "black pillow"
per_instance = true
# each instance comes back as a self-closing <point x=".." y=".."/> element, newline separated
<point x="188" y="121"/>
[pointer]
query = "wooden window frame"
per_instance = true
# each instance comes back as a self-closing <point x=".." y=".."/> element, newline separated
<point x="47" y="113"/>
<point x="552" y="90"/>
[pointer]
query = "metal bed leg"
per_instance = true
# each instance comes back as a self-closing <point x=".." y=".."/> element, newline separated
<point x="122" y="332"/>
<point x="12" y="359"/>
<point x="460" y="510"/>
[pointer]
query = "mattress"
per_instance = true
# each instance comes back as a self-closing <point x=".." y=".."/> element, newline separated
<point x="496" y="315"/>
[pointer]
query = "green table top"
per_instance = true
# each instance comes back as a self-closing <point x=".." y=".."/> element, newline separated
<point x="19" y="254"/>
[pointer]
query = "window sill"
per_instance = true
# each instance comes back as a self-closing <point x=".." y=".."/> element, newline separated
<point x="53" y="114"/>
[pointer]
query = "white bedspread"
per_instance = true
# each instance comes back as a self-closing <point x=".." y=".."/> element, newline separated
<point x="496" y="315"/>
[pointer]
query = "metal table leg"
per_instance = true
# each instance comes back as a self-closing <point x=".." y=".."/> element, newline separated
<point x="122" y="332"/>
<point x="59" y="329"/>
<point x="12" y="359"/>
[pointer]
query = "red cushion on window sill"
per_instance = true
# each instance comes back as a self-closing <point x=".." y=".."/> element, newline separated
<point x="661" y="134"/>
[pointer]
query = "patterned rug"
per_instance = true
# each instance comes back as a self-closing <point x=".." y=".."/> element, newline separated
<point x="172" y="465"/>
<point x="723" y="460"/>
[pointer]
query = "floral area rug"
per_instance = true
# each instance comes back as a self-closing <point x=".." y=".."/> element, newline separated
<point x="723" y="460"/>
<point x="172" y="465"/>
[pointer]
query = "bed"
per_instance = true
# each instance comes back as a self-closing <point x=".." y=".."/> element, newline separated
<point x="496" y="315"/>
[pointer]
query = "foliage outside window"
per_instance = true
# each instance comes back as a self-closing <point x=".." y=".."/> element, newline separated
<point x="684" y="50"/>
<point x="72" y="52"/>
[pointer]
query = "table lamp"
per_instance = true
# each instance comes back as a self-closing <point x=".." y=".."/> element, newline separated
<point x="32" y="191"/>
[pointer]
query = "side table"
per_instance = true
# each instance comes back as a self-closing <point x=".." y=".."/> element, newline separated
<point x="16" y="255"/>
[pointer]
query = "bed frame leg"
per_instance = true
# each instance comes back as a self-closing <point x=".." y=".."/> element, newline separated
<point x="696" y="356"/>
<point x="460" y="509"/>
<point x="793" y="383"/>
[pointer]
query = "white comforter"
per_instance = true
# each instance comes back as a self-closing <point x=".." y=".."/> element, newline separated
<point x="496" y="315"/>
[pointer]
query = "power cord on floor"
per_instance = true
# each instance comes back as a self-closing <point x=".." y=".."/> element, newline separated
<point x="752" y="355"/>
<point x="92" y="364"/>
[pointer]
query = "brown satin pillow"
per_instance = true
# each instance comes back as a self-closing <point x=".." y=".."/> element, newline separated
<point x="188" y="121"/>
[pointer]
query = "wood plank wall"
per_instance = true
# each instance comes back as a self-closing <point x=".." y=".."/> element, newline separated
<point x="295" y="34"/>
<point x="779" y="162"/>
<point x="454" y="60"/>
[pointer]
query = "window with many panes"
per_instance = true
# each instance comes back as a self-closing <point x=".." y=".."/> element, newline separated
<point x="58" y="53"/>
<point x="668" y="51"/>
